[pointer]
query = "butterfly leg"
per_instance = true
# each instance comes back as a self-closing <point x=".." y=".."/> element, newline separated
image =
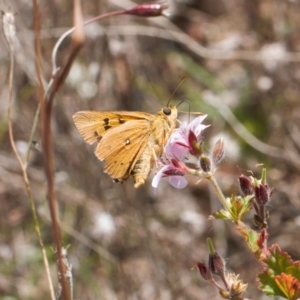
<point x="155" y="158"/>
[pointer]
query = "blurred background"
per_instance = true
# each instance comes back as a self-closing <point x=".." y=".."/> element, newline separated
<point x="243" y="63"/>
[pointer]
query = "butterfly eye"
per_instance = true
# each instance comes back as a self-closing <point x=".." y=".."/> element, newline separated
<point x="167" y="111"/>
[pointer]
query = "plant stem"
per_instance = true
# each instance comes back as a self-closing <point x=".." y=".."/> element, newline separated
<point x="219" y="193"/>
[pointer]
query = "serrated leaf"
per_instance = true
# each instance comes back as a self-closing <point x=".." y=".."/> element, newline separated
<point x="289" y="285"/>
<point x="250" y="236"/>
<point x="268" y="285"/>
<point x="238" y="208"/>
<point x="281" y="262"/>
<point x="281" y="275"/>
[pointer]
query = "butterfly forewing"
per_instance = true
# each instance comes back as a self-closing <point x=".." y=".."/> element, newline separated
<point x="128" y="142"/>
<point x="92" y="125"/>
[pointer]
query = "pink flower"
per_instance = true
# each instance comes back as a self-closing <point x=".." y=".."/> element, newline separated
<point x="181" y="142"/>
<point x="184" y="141"/>
<point x="174" y="170"/>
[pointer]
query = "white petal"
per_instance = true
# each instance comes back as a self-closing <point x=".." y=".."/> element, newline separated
<point x="196" y="125"/>
<point x="199" y="129"/>
<point x="156" y="179"/>
<point x="158" y="175"/>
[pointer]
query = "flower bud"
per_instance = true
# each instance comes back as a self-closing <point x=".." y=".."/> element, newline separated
<point x="205" y="163"/>
<point x="245" y="185"/>
<point x="218" y="151"/>
<point x="262" y="194"/>
<point x="204" y="271"/>
<point x="216" y="264"/>
<point x="147" y="10"/>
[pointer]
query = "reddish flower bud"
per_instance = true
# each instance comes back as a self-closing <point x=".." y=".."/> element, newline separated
<point x="245" y="185"/>
<point x="147" y="10"/>
<point x="218" y="151"/>
<point x="204" y="271"/>
<point x="216" y="264"/>
<point x="205" y="163"/>
<point x="262" y="194"/>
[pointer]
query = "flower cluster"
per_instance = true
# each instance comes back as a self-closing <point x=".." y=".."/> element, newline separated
<point x="183" y="154"/>
<point x="233" y="286"/>
<point x="261" y="193"/>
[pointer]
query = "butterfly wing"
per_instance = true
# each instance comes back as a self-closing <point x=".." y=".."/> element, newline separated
<point x="122" y="146"/>
<point x="93" y="125"/>
<point x="128" y="142"/>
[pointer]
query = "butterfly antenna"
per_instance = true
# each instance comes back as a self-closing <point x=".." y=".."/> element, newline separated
<point x="181" y="81"/>
<point x="188" y="102"/>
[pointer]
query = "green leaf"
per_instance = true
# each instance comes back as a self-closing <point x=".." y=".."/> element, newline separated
<point x="222" y="214"/>
<point x="281" y="274"/>
<point x="269" y="286"/>
<point x="251" y="237"/>
<point x="239" y="206"/>
<point x="289" y="285"/>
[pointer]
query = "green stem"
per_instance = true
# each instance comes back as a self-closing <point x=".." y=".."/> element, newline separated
<point x="219" y="192"/>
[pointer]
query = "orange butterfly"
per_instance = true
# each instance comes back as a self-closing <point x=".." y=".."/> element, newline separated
<point x="128" y="142"/>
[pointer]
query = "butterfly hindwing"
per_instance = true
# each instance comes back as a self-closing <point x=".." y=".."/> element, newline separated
<point x="121" y="147"/>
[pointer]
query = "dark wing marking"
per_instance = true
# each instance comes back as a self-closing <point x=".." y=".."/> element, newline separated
<point x="93" y="125"/>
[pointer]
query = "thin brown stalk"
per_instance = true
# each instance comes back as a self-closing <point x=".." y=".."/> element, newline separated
<point x="9" y="34"/>
<point x="47" y="105"/>
<point x="71" y="30"/>
<point x="38" y="67"/>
